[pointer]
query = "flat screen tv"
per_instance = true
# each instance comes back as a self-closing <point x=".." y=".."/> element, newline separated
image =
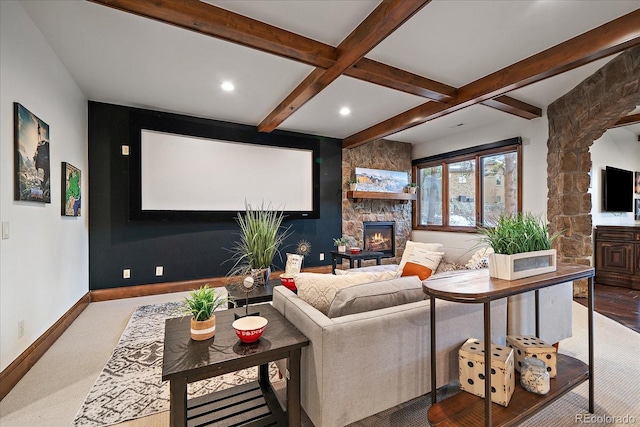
<point x="618" y="190"/>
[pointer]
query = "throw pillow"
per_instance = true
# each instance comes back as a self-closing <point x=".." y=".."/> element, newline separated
<point x="294" y="264"/>
<point x="318" y="290"/>
<point x="376" y="295"/>
<point x="413" y="269"/>
<point x="480" y="259"/>
<point x="423" y="257"/>
<point x="411" y="247"/>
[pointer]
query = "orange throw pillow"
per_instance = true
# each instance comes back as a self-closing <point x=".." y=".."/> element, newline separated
<point x="413" y="269"/>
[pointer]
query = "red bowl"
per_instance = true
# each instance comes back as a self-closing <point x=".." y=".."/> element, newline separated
<point x="354" y="250"/>
<point x="249" y="328"/>
<point x="288" y="283"/>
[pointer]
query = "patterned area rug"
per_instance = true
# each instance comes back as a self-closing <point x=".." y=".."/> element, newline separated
<point x="130" y="384"/>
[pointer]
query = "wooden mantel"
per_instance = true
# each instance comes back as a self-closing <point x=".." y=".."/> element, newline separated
<point x="358" y="196"/>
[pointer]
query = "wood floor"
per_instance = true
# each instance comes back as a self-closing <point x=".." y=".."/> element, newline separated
<point x="619" y="304"/>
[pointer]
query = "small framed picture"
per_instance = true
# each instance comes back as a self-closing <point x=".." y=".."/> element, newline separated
<point x="637" y="209"/>
<point x="71" y="194"/>
<point x="637" y="183"/>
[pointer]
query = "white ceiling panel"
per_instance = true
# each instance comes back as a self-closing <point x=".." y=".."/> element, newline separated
<point x="368" y="103"/>
<point x="458" y="41"/>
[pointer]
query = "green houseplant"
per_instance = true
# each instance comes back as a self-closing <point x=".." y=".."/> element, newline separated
<point x="201" y="303"/>
<point x="341" y="243"/>
<point x="521" y="245"/>
<point x="352" y="183"/>
<point x="261" y="236"/>
<point x="412" y="187"/>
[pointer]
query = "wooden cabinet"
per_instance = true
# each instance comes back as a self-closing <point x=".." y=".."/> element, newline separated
<point x="617" y="256"/>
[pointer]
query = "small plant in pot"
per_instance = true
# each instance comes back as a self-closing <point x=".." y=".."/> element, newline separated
<point x="353" y="184"/>
<point x="522" y="246"/>
<point x="201" y="303"/>
<point x="412" y="187"/>
<point x="341" y="243"/>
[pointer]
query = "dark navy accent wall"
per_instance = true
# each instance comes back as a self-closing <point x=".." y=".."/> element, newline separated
<point x="186" y="249"/>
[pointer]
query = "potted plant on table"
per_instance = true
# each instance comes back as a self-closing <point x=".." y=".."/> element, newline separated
<point x="201" y="303"/>
<point x="522" y="246"/>
<point x="261" y="235"/>
<point x="341" y="243"/>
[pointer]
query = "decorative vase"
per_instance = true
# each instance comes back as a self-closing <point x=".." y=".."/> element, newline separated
<point x="261" y="275"/>
<point x="203" y="329"/>
<point x="342" y="248"/>
<point x="518" y="266"/>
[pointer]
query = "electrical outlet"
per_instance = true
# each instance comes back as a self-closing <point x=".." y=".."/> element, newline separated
<point x="159" y="270"/>
<point x="5" y="230"/>
<point x="126" y="273"/>
<point x="125" y="150"/>
<point x="321" y="256"/>
<point x="21" y="329"/>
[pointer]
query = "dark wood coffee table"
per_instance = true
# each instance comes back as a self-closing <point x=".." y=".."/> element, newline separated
<point x="335" y="256"/>
<point x="261" y="293"/>
<point x="186" y="361"/>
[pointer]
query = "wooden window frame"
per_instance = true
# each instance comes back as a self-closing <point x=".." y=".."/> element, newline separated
<point x="473" y="153"/>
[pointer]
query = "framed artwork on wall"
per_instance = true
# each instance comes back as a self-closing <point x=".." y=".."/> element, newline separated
<point x="637" y="209"/>
<point x="383" y="181"/>
<point x="71" y="194"/>
<point x="637" y="183"/>
<point x="31" y="157"/>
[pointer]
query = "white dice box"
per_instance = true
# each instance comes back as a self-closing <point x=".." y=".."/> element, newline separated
<point x="471" y="366"/>
<point x="531" y="346"/>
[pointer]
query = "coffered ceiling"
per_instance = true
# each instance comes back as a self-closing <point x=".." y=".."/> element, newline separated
<point x="410" y="71"/>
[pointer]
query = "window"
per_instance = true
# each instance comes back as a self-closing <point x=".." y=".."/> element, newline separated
<point x="467" y="188"/>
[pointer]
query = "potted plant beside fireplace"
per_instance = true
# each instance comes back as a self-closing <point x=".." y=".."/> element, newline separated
<point x="522" y="247"/>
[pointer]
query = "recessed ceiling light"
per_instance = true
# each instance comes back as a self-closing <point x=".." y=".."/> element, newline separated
<point x="227" y="86"/>
<point x="345" y="111"/>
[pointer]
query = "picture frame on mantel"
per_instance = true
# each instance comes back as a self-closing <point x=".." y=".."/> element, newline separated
<point x="71" y="190"/>
<point x="381" y="181"/>
<point x="637" y="210"/>
<point x="636" y="185"/>
<point x="32" y="166"/>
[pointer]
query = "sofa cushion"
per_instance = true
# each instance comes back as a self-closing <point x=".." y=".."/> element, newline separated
<point x="376" y="295"/>
<point x="391" y="269"/>
<point x="413" y="269"/>
<point x="421" y="253"/>
<point x="318" y="289"/>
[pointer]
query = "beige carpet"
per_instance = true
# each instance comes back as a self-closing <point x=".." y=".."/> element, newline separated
<point x="53" y="391"/>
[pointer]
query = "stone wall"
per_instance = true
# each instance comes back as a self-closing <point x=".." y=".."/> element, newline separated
<point x="386" y="155"/>
<point x="575" y="121"/>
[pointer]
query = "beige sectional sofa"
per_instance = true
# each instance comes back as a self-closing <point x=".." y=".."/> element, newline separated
<point x="363" y="363"/>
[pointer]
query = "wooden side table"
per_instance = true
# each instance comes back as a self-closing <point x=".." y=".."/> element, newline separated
<point x="335" y="256"/>
<point x="259" y="294"/>
<point x="186" y="361"/>
<point x="479" y="288"/>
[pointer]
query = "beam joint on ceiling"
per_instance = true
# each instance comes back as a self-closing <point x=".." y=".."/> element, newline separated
<point x="608" y="39"/>
<point x="631" y="119"/>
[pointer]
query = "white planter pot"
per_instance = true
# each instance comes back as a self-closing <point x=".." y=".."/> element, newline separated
<point x="342" y="248"/>
<point x="517" y="266"/>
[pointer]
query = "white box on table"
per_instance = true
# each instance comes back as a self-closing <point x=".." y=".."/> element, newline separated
<point x="531" y="346"/>
<point x="471" y="365"/>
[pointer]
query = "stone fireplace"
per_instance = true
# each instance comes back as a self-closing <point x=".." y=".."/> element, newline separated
<point x="380" y="236"/>
<point x="386" y="155"/>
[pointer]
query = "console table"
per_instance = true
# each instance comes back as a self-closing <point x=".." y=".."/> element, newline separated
<point x="185" y="361"/>
<point x="465" y="409"/>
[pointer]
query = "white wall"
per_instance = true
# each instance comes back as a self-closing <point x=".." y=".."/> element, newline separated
<point x="459" y="246"/>
<point x="618" y="148"/>
<point x="44" y="263"/>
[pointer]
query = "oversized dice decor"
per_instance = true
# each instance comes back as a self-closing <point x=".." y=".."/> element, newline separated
<point x="530" y="346"/>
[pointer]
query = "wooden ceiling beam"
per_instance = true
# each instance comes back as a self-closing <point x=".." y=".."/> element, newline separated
<point x="220" y="23"/>
<point x="384" y="20"/>
<point x="610" y="38"/>
<point x="631" y="119"/>
<point x="513" y="106"/>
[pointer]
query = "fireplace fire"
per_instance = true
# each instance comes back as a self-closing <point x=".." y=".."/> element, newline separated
<point x="380" y="236"/>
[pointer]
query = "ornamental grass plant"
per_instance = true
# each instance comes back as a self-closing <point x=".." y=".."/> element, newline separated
<point x="514" y="234"/>
<point x="261" y="236"/>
